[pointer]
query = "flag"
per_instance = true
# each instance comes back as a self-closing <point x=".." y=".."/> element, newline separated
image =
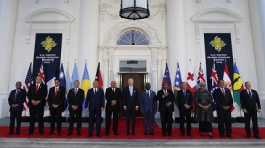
<point x="41" y="73"/>
<point x="201" y="78"/>
<point x="62" y="77"/>
<point x="191" y="80"/>
<point x="214" y="77"/>
<point x="28" y="82"/>
<point x="63" y="82"/>
<point x="166" y="77"/>
<point x="29" y="77"/>
<point x="86" y="84"/>
<point x="75" y="75"/>
<point x="178" y="78"/>
<point x="226" y="76"/>
<point x="99" y="77"/>
<point x="237" y="84"/>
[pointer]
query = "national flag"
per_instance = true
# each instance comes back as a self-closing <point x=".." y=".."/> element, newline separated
<point x="99" y="77"/>
<point x="201" y="78"/>
<point x="237" y="84"/>
<point x="28" y="82"/>
<point x="62" y="77"/>
<point x="226" y="76"/>
<point x="63" y="82"/>
<point x="86" y="84"/>
<point x="178" y="79"/>
<point x="191" y="79"/>
<point x="75" y="75"/>
<point x="41" y="73"/>
<point x="29" y="77"/>
<point x="214" y="77"/>
<point x="166" y="77"/>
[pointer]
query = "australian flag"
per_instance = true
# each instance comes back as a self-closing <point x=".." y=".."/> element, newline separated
<point x="166" y="77"/>
<point x="178" y="78"/>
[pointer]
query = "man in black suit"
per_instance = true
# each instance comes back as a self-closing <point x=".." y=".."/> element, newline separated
<point x="75" y="98"/>
<point x="95" y="99"/>
<point x="224" y="104"/>
<point x="166" y="108"/>
<point x="37" y="100"/>
<point x="184" y="101"/>
<point x="56" y="99"/>
<point x="130" y="106"/>
<point x="113" y="97"/>
<point x="16" y="100"/>
<point x="250" y="104"/>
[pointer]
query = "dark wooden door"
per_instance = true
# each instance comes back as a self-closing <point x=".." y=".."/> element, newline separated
<point x="139" y="80"/>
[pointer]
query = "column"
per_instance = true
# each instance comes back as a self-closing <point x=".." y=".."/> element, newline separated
<point x="89" y="15"/>
<point x="8" y="16"/>
<point x="257" y="19"/>
<point x="175" y="34"/>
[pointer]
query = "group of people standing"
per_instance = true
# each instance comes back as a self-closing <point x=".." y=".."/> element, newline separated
<point x="129" y="101"/>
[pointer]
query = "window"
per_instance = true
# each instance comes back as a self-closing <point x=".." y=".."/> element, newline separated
<point x="133" y="37"/>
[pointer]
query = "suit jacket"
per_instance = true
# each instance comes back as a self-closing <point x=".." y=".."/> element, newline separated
<point x="148" y="102"/>
<point x="110" y="96"/>
<point x="17" y="97"/>
<point x="130" y="101"/>
<point x="37" y="95"/>
<point x="95" y="100"/>
<point x="57" y="98"/>
<point x="222" y="99"/>
<point x="166" y="102"/>
<point x="182" y="99"/>
<point x="250" y="103"/>
<point x="76" y="99"/>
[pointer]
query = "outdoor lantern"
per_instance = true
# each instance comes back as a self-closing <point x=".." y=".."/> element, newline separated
<point x="134" y="9"/>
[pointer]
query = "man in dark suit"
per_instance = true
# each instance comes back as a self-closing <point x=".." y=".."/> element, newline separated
<point x="166" y="108"/>
<point x="148" y="107"/>
<point x="130" y="106"/>
<point x="16" y="100"/>
<point x="75" y="100"/>
<point x="224" y="104"/>
<point x="56" y="99"/>
<point x="113" y="97"/>
<point x="37" y="100"/>
<point x="184" y="101"/>
<point x="250" y="104"/>
<point x="95" y="99"/>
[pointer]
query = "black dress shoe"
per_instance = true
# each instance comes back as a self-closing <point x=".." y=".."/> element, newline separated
<point x="257" y="137"/>
<point x="69" y="134"/>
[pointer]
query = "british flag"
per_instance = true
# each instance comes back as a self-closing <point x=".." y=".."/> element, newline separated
<point x="214" y="77"/>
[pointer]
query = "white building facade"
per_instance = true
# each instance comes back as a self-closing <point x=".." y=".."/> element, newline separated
<point x="92" y="29"/>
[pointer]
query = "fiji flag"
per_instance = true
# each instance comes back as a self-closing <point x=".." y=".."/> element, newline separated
<point x="75" y="75"/>
<point x="166" y="77"/>
<point x="178" y="78"/>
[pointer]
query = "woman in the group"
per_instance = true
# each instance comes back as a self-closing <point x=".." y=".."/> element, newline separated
<point x="204" y="109"/>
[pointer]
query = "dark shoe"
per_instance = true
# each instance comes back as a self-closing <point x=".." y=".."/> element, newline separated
<point x="257" y="137"/>
<point x="51" y="133"/>
<point x="69" y="133"/>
